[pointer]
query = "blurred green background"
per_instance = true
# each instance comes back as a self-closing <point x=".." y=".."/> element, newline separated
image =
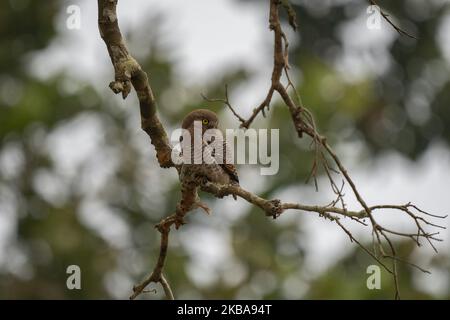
<point x="79" y="183"/>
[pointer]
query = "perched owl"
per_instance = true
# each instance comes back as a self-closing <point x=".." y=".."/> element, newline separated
<point x="191" y="173"/>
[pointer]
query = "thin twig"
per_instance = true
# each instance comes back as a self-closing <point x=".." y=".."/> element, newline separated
<point x="226" y="101"/>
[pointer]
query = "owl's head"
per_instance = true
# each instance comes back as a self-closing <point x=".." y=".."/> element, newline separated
<point x="207" y="118"/>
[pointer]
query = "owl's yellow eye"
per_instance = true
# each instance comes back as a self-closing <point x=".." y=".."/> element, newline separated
<point x="205" y="121"/>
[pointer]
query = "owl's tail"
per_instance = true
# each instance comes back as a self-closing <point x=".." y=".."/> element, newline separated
<point x="236" y="183"/>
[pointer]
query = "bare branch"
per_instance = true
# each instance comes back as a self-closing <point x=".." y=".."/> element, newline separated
<point x="304" y="123"/>
<point x="157" y="274"/>
<point x="128" y="72"/>
<point x="225" y="101"/>
<point x="389" y="20"/>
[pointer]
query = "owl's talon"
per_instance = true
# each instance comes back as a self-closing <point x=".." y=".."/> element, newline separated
<point x="214" y="176"/>
<point x="204" y="207"/>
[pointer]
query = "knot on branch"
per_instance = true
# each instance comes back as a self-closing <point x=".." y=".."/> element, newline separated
<point x="292" y="17"/>
<point x="121" y="86"/>
<point x="273" y="208"/>
<point x="300" y="125"/>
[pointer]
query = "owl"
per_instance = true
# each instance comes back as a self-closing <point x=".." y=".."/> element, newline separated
<point x="199" y="169"/>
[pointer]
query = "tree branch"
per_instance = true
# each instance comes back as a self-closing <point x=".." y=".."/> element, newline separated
<point x="389" y="20"/>
<point x="157" y="274"/>
<point x="304" y="123"/>
<point x="128" y="72"/>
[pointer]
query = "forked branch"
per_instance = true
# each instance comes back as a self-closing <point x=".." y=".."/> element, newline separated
<point x="157" y="274"/>
<point x="304" y="124"/>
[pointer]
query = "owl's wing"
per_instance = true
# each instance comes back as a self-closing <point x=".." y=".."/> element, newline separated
<point x="229" y="168"/>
